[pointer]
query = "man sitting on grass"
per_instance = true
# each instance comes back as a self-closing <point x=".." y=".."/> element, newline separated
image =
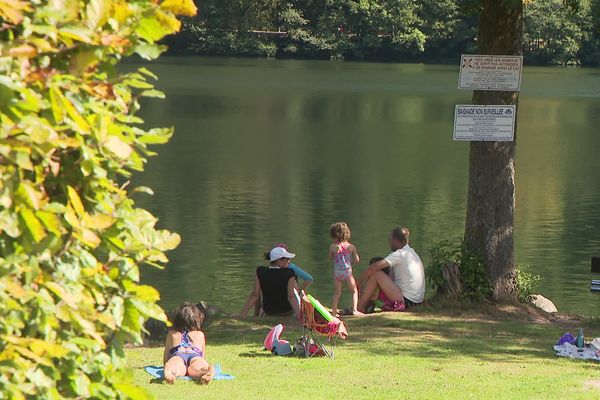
<point x="404" y="287"/>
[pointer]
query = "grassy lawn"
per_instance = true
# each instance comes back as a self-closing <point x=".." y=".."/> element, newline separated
<point x="434" y="353"/>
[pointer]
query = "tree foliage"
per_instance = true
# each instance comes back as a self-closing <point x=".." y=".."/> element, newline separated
<point x="476" y="286"/>
<point x="589" y="53"/>
<point x="556" y="31"/>
<point x="553" y="33"/>
<point x="71" y="238"/>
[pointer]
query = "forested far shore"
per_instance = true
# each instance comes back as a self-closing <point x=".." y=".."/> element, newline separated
<point x="392" y="30"/>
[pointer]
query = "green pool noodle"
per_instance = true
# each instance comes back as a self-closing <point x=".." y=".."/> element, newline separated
<point x="319" y="307"/>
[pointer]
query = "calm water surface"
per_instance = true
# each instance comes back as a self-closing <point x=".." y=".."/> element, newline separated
<point x="271" y="150"/>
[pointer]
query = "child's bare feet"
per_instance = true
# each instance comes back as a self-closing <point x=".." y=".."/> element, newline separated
<point x="209" y="375"/>
<point x="357" y="313"/>
<point x="170" y="376"/>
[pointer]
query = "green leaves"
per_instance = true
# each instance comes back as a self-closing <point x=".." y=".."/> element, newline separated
<point x="32" y="224"/>
<point x="154" y="28"/>
<point x="9" y="224"/>
<point x="471" y="268"/>
<point x="149" y="51"/>
<point x="71" y="241"/>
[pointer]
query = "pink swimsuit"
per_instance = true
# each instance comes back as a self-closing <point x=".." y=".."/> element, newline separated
<point x="342" y="262"/>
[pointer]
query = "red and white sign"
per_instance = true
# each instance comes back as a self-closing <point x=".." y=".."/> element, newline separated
<point x="485" y="72"/>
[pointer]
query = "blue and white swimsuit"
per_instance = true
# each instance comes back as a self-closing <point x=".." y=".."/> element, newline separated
<point x="186" y="350"/>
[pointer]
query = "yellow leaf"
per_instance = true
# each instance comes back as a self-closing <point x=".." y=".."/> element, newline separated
<point x="23" y="160"/>
<point x="54" y="167"/>
<point x="180" y="7"/>
<point x="60" y="292"/>
<point x="118" y="147"/>
<point x="97" y="11"/>
<point x="46" y="348"/>
<point x="68" y="142"/>
<point x="98" y="221"/>
<point x="75" y="201"/>
<point x="70" y="9"/>
<point x="9" y="223"/>
<point x="12" y="10"/>
<point x="88" y="328"/>
<point x="89" y="238"/>
<point x="148" y="293"/>
<point x="168" y="21"/>
<point x="167" y="240"/>
<point x="75" y="116"/>
<point x="151" y="29"/>
<point x="107" y="320"/>
<point x="15" y="289"/>
<point x="32" y="224"/>
<point x="42" y="45"/>
<point x="121" y="11"/>
<point x="76" y="33"/>
<point x="51" y="221"/>
<point x="57" y="110"/>
<point x="25" y="50"/>
<point x="28" y="195"/>
<point x="115" y="241"/>
<point x="72" y="219"/>
<point x="72" y="112"/>
<point x="32" y="356"/>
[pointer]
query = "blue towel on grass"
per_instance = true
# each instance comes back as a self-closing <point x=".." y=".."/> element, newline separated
<point x="159" y="373"/>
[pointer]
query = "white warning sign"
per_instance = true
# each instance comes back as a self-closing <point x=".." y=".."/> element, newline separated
<point x="484" y="123"/>
<point x="483" y="72"/>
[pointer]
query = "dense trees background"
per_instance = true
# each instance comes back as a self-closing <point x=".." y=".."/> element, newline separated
<point x="425" y="30"/>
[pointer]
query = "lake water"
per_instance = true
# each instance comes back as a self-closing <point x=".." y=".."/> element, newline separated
<point x="268" y="151"/>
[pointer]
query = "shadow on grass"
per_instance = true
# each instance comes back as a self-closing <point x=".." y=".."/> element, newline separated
<point x="486" y="333"/>
<point x="444" y="339"/>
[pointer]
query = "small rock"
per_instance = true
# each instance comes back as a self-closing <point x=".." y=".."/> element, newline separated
<point x="543" y="303"/>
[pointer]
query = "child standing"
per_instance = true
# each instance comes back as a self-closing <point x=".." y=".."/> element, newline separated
<point x="344" y="255"/>
<point x="185" y="346"/>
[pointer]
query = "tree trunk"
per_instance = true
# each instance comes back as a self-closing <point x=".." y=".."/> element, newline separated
<point x="491" y="199"/>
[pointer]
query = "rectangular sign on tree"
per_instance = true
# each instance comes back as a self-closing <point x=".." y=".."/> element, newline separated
<point x="489" y="72"/>
<point x="484" y="123"/>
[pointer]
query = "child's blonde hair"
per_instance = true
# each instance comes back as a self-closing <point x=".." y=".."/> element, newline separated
<point x="340" y="231"/>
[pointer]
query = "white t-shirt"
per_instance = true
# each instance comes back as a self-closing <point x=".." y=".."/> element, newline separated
<point x="409" y="274"/>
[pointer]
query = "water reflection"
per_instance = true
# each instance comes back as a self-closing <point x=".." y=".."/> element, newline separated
<point x="269" y="151"/>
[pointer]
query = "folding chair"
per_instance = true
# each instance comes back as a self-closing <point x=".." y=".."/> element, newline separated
<point x="315" y="325"/>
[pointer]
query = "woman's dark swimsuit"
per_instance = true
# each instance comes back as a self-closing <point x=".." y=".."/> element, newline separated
<point x="186" y="350"/>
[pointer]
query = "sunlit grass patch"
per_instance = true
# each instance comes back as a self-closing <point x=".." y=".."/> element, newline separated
<point x="428" y="354"/>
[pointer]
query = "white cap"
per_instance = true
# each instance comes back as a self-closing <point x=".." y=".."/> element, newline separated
<point x="280" y="252"/>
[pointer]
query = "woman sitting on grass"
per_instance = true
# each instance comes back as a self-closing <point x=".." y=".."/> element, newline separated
<point x="185" y="346"/>
<point x="274" y="287"/>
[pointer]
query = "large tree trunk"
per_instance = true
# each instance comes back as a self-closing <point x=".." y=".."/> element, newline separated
<point x="491" y="199"/>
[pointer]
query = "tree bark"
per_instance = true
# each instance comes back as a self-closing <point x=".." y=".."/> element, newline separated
<point x="491" y="199"/>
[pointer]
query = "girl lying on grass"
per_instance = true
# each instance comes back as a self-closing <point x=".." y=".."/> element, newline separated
<point x="185" y="346"/>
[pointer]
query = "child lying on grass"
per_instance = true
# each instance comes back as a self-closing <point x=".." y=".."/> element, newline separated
<point x="185" y="346"/>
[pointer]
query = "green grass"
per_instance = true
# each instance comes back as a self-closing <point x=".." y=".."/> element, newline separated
<point x="433" y="353"/>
